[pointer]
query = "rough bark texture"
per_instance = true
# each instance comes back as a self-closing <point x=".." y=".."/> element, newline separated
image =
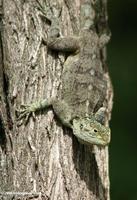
<point x="43" y="156"/>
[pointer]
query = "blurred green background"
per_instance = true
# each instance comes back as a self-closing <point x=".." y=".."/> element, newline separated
<point x="122" y="60"/>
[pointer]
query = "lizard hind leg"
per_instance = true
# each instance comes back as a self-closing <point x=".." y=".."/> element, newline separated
<point x="87" y="15"/>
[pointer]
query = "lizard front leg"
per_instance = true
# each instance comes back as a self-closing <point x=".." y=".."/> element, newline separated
<point x="26" y="111"/>
<point x="60" y="108"/>
<point x="100" y="115"/>
<point x="103" y="40"/>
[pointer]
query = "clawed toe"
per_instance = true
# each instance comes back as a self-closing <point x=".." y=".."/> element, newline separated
<point x="23" y="113"/>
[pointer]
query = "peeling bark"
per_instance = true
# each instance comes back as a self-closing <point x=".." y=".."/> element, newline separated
<point x="42" y="156"/>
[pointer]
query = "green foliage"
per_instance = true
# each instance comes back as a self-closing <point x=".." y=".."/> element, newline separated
<point x="122" y="61"/>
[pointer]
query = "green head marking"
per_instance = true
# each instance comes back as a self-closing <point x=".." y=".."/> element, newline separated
<point x="89" y="131"/>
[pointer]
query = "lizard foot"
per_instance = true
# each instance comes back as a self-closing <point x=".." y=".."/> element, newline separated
<point x="50" y="11"/>
<point x="25" y="112"/>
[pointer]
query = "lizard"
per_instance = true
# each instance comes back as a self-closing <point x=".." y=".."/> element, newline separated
<point x="84" y="85"/>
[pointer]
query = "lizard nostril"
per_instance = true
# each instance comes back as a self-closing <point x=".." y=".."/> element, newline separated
<point x="95" y="130"/>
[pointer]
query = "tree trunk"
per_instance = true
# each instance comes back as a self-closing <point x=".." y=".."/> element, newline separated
<point x="43" y="160"/>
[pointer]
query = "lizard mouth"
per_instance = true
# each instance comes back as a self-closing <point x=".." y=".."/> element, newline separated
<point x="87" y="139"/>
<point x="97" y="141"/>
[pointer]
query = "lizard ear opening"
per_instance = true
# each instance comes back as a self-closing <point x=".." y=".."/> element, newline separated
<point x="71" y="122"/>
<point x="100" y="115"/>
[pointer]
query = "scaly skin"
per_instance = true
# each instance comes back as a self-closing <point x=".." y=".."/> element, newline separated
<point x="84" y="85"/>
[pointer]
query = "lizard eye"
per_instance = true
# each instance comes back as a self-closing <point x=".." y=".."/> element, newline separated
<point x="81" y="126"/>
<point x="95" y="130"/>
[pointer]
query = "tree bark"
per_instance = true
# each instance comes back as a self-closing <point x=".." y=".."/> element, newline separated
<point x="43" y="160"/>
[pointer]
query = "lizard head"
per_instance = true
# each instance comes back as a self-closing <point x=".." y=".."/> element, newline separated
<point x="89" y="131"/>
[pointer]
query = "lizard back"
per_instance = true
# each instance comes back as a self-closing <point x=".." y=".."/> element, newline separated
<point x="83" y="82"/>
